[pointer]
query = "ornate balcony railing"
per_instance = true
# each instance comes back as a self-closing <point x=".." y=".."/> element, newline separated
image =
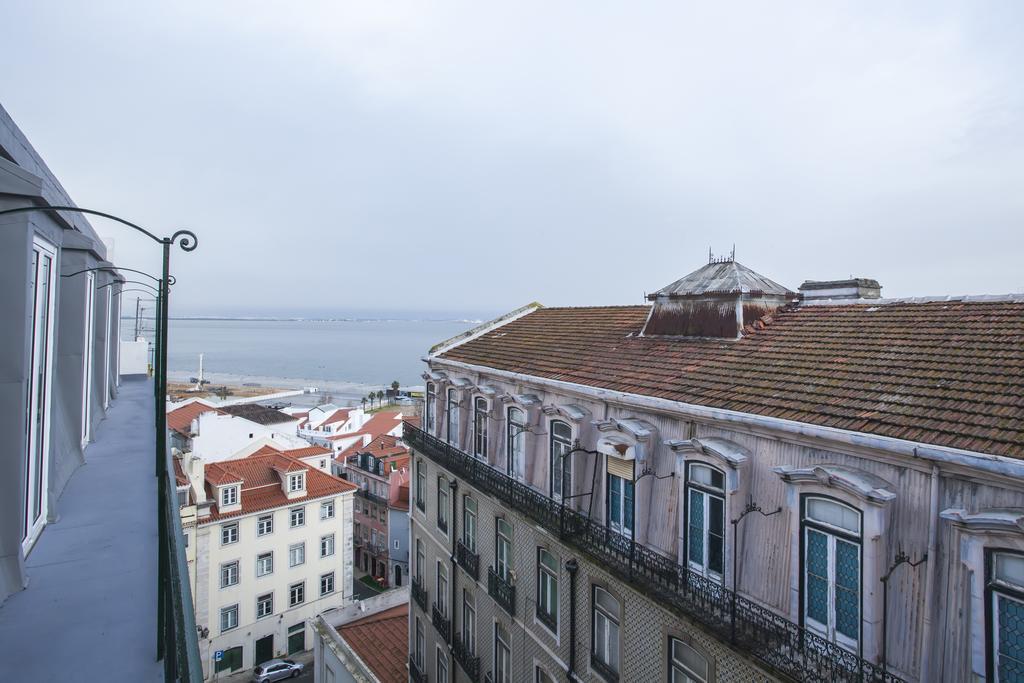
<point x="768" y="637"/>
<point x="419" y="594"/>
<point x="468" y="560"/>
<point x="466" y="659"/>
<point x="503" y="592"/>
<point x="606" y="672"/>
<point x="414" y="672"/>
<point x="441" y="623"/>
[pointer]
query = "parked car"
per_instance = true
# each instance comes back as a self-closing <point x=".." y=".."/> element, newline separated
<point x="276" y="670"/>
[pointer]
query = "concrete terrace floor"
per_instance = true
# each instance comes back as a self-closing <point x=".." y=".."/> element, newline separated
<point x="89" y="612"/>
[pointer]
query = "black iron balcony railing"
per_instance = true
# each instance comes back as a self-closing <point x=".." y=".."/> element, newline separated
<point x="466" y="659"/>
<point x="441" y="623"/>
<point x="372" y="497"/>
<point x="179" y="639"/>
<point x="769" y="638"/>
<point x="468" y="560"/>
<point x="414" y="672"/>
<point x="419" y="593"/>
<point x="503" y="592"/>
<point x="606" y="672"/>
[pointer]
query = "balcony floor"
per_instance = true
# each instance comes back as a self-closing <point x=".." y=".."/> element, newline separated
<point x="89" y="611"/>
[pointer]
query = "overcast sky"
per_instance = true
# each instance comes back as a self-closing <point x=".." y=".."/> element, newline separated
<point x="468" y="158"/>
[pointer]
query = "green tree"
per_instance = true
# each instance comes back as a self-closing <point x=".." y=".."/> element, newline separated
<point x="363" y="401"/>
<point x="380" y="397"/>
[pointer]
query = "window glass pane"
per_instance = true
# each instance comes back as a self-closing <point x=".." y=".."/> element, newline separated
<point x="847" y="589"/>
<point x="614" y="500"/>
<point x="716" y="531"/>
<point x="607" y="602"/>
<point x="1010" y="638"/>
<point x="694" y="664"/>
<point x="627" y="505"/>
<point x="817" y="576"/>
<point x="700" y="474"/>
<point x="830" y="512"/>
<point x="695" y="537"/>
<point x="1010" y="568"/>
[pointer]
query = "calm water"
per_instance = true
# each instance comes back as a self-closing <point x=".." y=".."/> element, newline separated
<point x="346" y="358"/>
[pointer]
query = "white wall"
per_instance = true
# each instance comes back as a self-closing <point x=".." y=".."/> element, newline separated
<point x="134" y="357"/>
<point x="221" y="436"/>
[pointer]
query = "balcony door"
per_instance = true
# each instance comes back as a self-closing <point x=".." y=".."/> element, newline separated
<point x="831" y="565"/>
<point x="37" y="419"/>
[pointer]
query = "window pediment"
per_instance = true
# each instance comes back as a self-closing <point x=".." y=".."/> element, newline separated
<point x="526" y="400"/>
<point x="728" y="453"/>
<point x="988" y="519"/>
<point x="863" y="485"/>
<point x="569" y="411"/>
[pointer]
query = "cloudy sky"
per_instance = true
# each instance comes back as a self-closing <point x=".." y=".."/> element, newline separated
<point x="470" y="157"/>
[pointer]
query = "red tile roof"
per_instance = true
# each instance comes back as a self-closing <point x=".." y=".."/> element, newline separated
<point x="180" y="479"/>
<point x="261" y="485"/>
<point x="383" y="446"/>
<point x="382" y="641"/>
<point x="340" y="415"/>
<point x="946" y="373"/>
<point x="180" y="419"/>
<point x="306" y="452"/>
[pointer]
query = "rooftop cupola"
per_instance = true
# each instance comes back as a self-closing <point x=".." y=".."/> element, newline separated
<point x="716" y="300"/>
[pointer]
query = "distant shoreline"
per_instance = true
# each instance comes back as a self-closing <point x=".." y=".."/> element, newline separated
<point x="225" y="318"/>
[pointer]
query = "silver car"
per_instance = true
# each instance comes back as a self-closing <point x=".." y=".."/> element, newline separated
<point x="276" y="670"/>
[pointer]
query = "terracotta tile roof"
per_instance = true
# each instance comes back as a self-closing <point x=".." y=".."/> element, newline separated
<point x="180" y="479"/>
<point x="946" y="373"/>
<point x="381" y="641"/>
<point x="340" y="415"/>
<point x="261" y="485"/>
<point x="218" y="475"/>
<point x="180" y="419"/>
<point x="307" y="452"/>
<point x="384" y="446"/>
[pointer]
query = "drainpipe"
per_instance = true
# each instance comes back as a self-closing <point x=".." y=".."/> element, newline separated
<point x="454" y="486"/>
<point x="929" y="587"/>
<point x="572" y="566"/>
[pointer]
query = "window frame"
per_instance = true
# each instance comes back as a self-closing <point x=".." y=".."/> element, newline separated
<point x="452" y="417"/>
<point x="708" y="492"/>
<point x="265" y="525"/>
<point x="260" y="600"/>
<point x="328" y="538"/>
<point x="832" y="533"/>
<point x="296" y="482"/>
<point x="564" y="461"/>
<point x="301" y="512"/>
<point x="269" y="555"/>
<point x="469" y="519"/>
<point x="995" y="589"/>
<point x="683" y="668"/>
<point x="503" y="561"/>
<point x="480" y="427"/>
<point x="547" y="588"/>
<point x="443" y="523"/>
<point x="301" y="548"/>
<point x="626" y="505"/>
<point x="468" y="627"/>
<point x="224" y="611"/>
<point x="596" y="610"/>
<point x="225" y="533"/>
<point x="330" y="577"/>
<point x="327" y="510"/>
<point x="499" y="641"/>
<point x="224" y="494"/>
<point x="301" y="586"/>
<point x="441" y="585"/>
<point x="226" y="569"/>
<point x="515" y="443"/>
<point x="430" y="409"/>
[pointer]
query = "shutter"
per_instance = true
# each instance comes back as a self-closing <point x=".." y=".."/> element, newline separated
<point x="620" y="468"/>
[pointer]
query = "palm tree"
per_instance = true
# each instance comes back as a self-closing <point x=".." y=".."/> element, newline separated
<point x="380" y="396"/>
<point x="363" y="401"/>
<point x="370" y="397"/>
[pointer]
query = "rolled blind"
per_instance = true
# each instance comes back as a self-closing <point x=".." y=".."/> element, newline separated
<point x="620" y="468"/>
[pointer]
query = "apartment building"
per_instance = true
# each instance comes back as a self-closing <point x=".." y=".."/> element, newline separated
<point x="734" y="482"/>
<point x="371" y="468"/>
<point x="271" y="542"/>
<point x="75" y="541"/>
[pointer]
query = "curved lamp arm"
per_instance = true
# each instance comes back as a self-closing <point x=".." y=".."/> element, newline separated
<point x="187" y="238"/>
<point x="171" y="280"/>
<point x="134" y="282"/>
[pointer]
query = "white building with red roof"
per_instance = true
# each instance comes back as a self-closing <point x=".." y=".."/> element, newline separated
<point x="270" y="537"/>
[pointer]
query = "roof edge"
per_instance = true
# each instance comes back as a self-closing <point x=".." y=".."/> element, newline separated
<point x="950" y="298"/>
<point x="482" y="329"/>
<point x="986" y="462"/>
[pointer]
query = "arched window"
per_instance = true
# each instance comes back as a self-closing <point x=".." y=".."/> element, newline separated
<point x="516" y="443"/>
<point x="561" y="462"/>
<point x="831" y="569"/>
<point x="686" y="665"/>
<point x="431" y="409"/>
<point x="480" y="428"/>
<point x="453" y="418"/>
<point x="705" y="519"/>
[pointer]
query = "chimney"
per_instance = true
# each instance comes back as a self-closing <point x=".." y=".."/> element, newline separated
<point x="852" y="288"/>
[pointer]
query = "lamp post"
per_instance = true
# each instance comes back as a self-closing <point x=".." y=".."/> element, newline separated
<point x="646" y="472"/>
<point x="188" y="241"/>
<point x="750" y="507"/>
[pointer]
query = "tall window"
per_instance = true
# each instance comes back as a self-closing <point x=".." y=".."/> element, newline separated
<point x="430" y="409"/>
<point x="327" y="510"/>
<point x="503" y="549"/>
<point x="516" y="444"/>
<point x="419" y="644"/>
<point x="40" y="369"/>
<point x="421" y="486"/>
<point x="605" y="636"/>
<point x="297" y="517"/>
<point x="87" y="352"/>
<point x="705" y="519"/>
<point x="686" y="665"/>
<point x="229" y="618"/>
<point x="502" y="655"/>
<point x="229" y="574"/>
<point x="229" y="533"/>
<point x="468" y="622"/>
<point x="296" y="554"/>
<point x="469" y="523"/>
<point x="831" y="566"/>
<point x="327" y="583"/>
<point x="561" y="462"/>
<point x="264" y="605"/>
<point x="453" y="418"/>
<point x="442" y="588"/>
<point x="265" y="525"/>
<point x="442" y="665"/>
<point x="421" y="559"/>
<point x="480" y="428"/>
<point x="297" y="594"/>
<point x="1005" y="588"/>
<point x="327" y="545"/>
<point x="547" y="588"/>
<point x="620" y="504"/>
<point x="442" y="504"/>
<point x="265" y="564"/>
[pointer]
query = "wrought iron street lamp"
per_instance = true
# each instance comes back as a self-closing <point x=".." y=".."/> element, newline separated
<point x="750" y="507"/>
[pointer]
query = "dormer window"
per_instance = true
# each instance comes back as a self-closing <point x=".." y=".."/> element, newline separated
<point x="229" y="496"/>
<point x="296" y="482"/>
